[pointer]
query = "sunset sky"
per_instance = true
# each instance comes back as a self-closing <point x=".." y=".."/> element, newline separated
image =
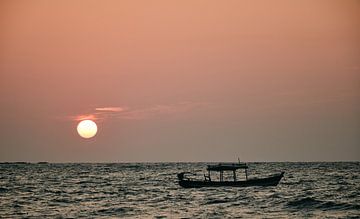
<point x="180" y="80"/>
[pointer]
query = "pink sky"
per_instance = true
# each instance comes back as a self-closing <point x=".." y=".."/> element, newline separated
<point x="180" y="80"/>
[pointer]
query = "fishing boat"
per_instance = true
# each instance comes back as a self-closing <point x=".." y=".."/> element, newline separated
<point x="186" y="182"/>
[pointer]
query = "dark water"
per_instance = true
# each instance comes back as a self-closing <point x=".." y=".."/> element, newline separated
<point x="151" y="190"/>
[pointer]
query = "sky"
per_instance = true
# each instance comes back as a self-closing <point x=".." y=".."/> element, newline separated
<point x="170" y="81"/>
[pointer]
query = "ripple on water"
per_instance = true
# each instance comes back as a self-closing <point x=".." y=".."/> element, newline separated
<point x="118" y="211"/>
<point x="3" y="190"/>
<point x="312" y="203"/>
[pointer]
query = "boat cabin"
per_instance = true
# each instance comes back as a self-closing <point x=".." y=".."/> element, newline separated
<point x="221" y="167"/>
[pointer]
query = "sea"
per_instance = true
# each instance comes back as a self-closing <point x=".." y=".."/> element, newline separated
<point x="151" y="190"/>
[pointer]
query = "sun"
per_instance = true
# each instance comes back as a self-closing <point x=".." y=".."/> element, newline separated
<point x="87" y="128"/>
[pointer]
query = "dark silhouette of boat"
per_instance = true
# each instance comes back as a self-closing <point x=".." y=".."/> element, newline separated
<point x="221" y="167"/>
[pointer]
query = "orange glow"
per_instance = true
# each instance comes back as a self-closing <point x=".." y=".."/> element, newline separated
<point x="85" y="117"/>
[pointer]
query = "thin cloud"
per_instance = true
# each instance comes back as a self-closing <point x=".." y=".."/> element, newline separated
<point x="110" y="109"/>
<point x="84" y="117"/>
<point x="102" y="113"/>
<point x="156" y="110"/>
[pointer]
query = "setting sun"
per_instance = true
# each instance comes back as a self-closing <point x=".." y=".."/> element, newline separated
<point x="87" y="128"/>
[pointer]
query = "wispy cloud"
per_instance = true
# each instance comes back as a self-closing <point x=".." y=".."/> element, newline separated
<point x="101" y="113"/>
<point x="110" y="109"/>
<point x="162" y="109"/>
<point x="84" y="117"/>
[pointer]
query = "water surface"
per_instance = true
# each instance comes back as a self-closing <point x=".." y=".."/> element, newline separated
<point x="148" y="190"/>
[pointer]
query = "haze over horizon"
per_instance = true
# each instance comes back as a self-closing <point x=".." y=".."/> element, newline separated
<point x="180" y="80"/>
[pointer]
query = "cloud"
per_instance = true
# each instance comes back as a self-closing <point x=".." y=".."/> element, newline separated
<point x="102" y="113"/>
<point x="99" y="113"/>
<point x="157" y="110"/>
<point x="84" y="117"/>
<point x="110" y="109"/>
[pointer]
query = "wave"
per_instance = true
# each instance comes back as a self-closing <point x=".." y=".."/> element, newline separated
<point x="3" y="190"/>
<point x="62" y="200"/>
<point x="299" y="182"/>
<point x="218" y="201"/>
<point x="312" y="203"/>
<point x="121" y="211"/>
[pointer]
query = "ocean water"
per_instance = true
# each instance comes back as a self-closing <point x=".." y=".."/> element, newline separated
<point x="150" y="190"/>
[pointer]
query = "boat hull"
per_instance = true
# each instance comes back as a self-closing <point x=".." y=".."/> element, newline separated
<point x="269" y="181"/>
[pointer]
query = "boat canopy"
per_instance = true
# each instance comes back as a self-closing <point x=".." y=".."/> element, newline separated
<point x="227" y="166"/>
